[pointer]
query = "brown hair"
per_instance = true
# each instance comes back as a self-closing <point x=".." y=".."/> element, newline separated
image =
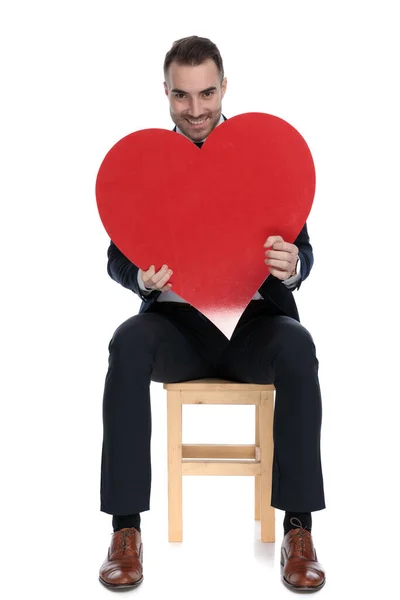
<point x="193" y="51"/>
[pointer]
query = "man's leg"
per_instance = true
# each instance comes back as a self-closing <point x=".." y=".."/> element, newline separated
<point x="146" y="347"/>
<point x="279" y="350"/>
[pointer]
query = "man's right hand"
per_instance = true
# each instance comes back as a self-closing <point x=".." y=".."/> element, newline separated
<point x="156" y="281"/>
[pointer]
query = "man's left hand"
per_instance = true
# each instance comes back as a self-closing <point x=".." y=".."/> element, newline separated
<point x="281" y="257"/>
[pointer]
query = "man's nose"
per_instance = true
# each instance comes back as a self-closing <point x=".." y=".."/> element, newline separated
<point x="195" y="107"/>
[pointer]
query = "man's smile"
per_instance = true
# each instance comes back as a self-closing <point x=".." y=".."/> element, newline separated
<point x="196" y="124"/>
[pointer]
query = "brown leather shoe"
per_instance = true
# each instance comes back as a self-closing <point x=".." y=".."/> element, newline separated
<point x="301" y="570"/>
<point x="123" y="566"/>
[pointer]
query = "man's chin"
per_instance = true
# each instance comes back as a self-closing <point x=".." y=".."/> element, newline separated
<point x="196" y="135"/>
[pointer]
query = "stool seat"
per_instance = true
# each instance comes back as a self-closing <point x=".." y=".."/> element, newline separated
<point x="221" y="459"/>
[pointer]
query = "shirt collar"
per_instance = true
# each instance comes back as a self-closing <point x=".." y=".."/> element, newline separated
<point x="221" y="120"/>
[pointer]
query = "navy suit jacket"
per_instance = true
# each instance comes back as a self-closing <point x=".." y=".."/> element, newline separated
<point x="122" y="270"/>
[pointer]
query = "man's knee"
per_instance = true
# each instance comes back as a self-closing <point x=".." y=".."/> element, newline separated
<point x="139" y="331"/>
<point x="295" y="340"/>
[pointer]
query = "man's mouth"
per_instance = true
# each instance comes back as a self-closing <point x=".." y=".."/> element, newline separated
<point x="197" y="123"/>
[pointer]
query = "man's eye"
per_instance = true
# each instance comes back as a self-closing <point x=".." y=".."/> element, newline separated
<point x="179" y="95"/>
<point x="208" y="93"/>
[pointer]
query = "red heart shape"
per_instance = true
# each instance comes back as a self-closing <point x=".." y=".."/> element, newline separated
<point x="207" y="212"/>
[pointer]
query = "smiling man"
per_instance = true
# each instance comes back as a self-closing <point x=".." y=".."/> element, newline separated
<point x="195" y="94"/>
<point x="169" y="341"/>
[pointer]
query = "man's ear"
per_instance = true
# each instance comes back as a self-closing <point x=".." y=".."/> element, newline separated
<point x="223" y="86"/>
<point x="165" y="88"/>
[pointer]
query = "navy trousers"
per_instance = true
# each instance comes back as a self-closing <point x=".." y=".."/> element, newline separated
<point x="172" y="343"/>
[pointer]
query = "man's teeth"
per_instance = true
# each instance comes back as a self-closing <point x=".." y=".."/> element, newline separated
<point x="196" y="122"/>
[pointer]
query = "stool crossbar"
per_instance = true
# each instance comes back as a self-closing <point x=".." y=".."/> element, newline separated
<point x="210" y="459"/>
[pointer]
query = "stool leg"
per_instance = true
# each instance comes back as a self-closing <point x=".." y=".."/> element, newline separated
<point x="266" y="443"/>
<point x="257" y="478"/>
<point x="174" y="428"/>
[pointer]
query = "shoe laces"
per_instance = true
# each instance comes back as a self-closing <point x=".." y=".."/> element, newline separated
<point x="301" y="537"/>
<point x="126" y="540"/>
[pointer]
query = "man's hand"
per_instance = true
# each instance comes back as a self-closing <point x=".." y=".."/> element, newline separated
<point x="156" y="281"/>
<point x="281" y="257"/>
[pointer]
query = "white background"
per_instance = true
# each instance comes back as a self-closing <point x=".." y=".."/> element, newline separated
<point x="78" y="76"/>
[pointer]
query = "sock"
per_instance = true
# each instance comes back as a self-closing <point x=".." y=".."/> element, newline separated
<point x="304" y="518"/>
<point x="121" y="521"/>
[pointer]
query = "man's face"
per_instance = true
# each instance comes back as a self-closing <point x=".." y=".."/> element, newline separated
<point x="195" y="95"/>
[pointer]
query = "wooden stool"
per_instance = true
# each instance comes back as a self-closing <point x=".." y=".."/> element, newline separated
<point x="220" y="391"/>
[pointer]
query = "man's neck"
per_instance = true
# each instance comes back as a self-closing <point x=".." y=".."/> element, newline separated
<point x="221" y="120"/>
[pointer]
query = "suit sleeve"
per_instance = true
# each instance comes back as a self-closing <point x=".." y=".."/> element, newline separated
<point x="125" y="272"/>
<point x="306" y="255"/>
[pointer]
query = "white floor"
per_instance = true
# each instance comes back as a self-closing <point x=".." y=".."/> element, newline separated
<point x="56" y="538"/>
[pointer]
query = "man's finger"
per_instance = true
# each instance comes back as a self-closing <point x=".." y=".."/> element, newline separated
<point x="279" y="254"/>
<point x="272" y="240"/>
<point x="284" y="247"/>
<point x="279" y="264"/>
<point x="149" y="273"/>
<point x="156" y="277"/>
<point x="165" y="278"/>
<point x="160" y="278"/>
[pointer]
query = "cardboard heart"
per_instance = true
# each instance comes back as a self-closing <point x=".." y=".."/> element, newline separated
<point x="207" y="212"/>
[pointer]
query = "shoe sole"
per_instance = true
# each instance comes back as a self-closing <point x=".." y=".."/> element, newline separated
<point x="295" y="588"/>
<point x="121" y="586"/>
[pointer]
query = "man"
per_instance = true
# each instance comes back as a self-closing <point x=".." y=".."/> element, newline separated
<point x="170" y="341"/>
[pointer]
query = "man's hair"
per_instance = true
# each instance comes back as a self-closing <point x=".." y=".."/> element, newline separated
<point x="193" y="51"/>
